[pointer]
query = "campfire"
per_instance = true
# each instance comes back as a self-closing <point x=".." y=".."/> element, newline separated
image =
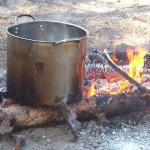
<point x="42" y="88"/>
<point x="115" y="83"/>
<point x="109" y="82"/>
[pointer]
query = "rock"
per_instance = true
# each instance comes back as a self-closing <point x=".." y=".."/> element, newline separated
<point x="43" y="136"/>
<point x="113" y="132"/>
<point x="48" y="140"/>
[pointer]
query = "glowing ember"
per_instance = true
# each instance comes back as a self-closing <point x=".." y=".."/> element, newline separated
<point x="135" y="68"/>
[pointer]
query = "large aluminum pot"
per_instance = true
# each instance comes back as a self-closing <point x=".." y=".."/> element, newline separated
<point x="45" y="61"/>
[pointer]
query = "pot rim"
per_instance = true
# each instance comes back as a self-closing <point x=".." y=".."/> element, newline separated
<point x="41" y="41"/>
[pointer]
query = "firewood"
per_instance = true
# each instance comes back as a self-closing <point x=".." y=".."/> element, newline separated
<point x="19" y="116"/>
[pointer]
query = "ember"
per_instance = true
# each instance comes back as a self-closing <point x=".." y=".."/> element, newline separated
<point x="112" y="82"/>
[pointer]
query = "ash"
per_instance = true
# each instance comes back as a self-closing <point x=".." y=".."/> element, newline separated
<point x="120" y="133"/>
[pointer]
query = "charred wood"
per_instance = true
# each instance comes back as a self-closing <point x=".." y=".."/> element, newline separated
<point x="18" y="116"/>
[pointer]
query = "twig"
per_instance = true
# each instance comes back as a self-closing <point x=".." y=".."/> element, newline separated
<point x="124" y="74"/>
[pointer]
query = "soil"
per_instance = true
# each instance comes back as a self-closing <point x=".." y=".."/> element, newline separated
<point x="111" y="24"/>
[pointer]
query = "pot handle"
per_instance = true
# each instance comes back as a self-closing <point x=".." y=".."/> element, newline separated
<point x="25" y="18"/>
<point x="64" y="41"/>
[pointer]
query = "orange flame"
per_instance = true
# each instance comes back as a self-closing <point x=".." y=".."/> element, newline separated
<point x="136" y="64"/>
<point x="91" y="91"/>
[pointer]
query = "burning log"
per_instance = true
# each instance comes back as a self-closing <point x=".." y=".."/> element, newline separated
<point x="19" y="116"/>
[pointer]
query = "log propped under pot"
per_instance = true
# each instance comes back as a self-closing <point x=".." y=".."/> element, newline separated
<point x="15" y="116"/>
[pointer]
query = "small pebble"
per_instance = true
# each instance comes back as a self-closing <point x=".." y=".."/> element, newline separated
<point x="48" y="140"/>
<point x="43" y="136"/>
<point x="113" y="132"/>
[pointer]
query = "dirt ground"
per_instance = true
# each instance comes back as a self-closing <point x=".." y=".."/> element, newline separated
<point x="111" y="24"/>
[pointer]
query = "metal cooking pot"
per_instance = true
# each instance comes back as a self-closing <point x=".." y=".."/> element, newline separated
<point x="45" y="61"/>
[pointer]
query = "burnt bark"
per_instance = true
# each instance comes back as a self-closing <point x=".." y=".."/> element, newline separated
<point x="18" y="116"/>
